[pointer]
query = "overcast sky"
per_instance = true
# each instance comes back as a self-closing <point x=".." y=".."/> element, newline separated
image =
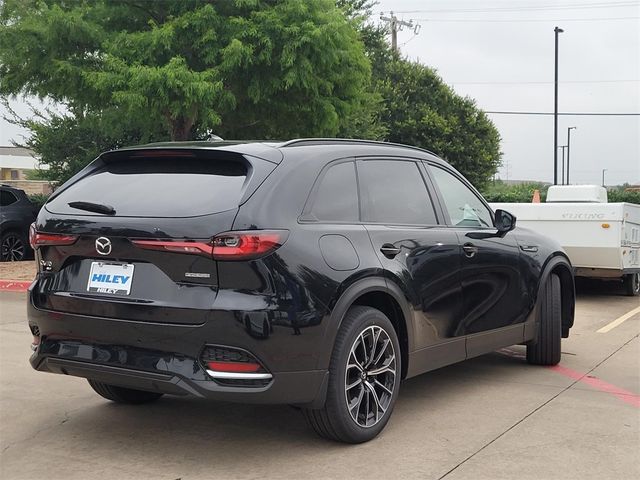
<point x="500" y="52"/>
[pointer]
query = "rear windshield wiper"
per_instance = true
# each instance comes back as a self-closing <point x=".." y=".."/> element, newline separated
<point x="93" y="207"/>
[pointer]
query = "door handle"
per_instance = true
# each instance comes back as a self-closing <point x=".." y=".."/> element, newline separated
<point x="389" y="250"/>
<point x="470" y="250"/>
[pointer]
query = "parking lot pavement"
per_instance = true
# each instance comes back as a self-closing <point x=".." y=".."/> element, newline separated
<point x="491" y="417"/>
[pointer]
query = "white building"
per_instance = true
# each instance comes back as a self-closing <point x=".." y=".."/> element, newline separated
<point x="14" y="164"/>
<point x="14" y="161"/>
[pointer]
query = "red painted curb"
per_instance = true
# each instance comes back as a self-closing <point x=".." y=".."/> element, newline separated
<point x="13" y="286"/>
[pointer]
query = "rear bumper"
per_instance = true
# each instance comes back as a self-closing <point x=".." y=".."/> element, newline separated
<point x="164" y="357"/>
<point x="306" y="387"/>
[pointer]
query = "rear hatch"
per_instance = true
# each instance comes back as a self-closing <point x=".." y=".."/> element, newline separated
<point x="94" y="234"/>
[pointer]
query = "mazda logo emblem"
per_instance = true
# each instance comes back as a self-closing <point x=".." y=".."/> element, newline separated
<point x="103" y="246"/>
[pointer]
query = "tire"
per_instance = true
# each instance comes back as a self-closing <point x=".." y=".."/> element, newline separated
<point x="13" y="247"/>
<point x="631" y="284"/>
<point x="122" y="394"/>
<point x="363" y="421"/>
<point x="546" y="348"/>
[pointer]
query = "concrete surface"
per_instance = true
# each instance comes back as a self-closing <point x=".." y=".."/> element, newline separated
<point x="492" y="417"/>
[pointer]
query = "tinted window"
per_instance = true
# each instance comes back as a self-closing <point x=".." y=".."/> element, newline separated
<point x="394" y="192"/>
<point x="337" y="196"/>
<point x="158" y="187"/>
<point x="7" y="198"/>
<point x="463" y="205"/>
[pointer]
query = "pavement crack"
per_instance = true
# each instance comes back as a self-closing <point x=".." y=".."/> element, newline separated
<point x="65" y="419"/>
<point x="539" y="407"/>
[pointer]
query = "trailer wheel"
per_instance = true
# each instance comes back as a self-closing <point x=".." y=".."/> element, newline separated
<point x="631" y="283"/>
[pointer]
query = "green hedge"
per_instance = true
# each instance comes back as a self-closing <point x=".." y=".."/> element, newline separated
<point x="622" y="195"/>
<point x="38" y="199"/>
<point x="523" y="193"/>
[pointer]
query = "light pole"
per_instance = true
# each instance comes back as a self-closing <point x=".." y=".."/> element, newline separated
<point x="562" y="147"/>
<point x="569" y="149"/>
<point x="603" y="170"/>
<point x="557" y="31"/>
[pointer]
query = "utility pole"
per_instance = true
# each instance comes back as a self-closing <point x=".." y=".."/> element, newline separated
<point x="562" y="147"/>
<point x="557" y="31"/>
<point x="568" y="149"/>
<point x="396" y="25"/>
<point x="603" y="170"/>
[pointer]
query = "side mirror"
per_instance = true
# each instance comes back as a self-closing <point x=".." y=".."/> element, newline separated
<point x="504" y="222"/>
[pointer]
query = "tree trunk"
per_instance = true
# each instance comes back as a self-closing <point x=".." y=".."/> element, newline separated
<point x="180" y="127"/>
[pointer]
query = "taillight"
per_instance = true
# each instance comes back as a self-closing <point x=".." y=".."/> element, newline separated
<point x="40" y="239"/>
<point x="241" y="245"/>
<point x="247" y="245"/>
<point x="197" y="248"/>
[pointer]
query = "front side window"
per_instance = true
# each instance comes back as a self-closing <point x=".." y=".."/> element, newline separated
<point x="394" y="193"/>
<point x="463" y="205"/>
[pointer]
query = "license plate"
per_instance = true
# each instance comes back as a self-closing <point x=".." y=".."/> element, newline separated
<point x="112" y="278"/>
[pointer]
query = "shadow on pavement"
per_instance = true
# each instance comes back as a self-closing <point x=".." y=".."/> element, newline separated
<point x="189" y="427"/>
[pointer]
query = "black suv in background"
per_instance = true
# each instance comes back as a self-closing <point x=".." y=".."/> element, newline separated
<point x="315" y="272"/>
<point x="16" y="214"/>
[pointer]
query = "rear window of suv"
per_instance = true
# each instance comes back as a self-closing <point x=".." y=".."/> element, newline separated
<point x="7" y="198"/>
<point x="158" y="187"/>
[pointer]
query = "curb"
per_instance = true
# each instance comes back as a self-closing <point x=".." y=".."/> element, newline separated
<point x="14" y="286"/>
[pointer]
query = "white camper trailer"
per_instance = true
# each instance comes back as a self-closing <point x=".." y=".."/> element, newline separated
<point x="601" y="239"/>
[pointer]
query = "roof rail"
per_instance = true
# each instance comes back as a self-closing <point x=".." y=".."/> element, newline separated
<point x="301" y="142"/>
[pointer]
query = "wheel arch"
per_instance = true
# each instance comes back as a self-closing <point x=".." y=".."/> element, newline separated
<point x="378" y="293"/>
<point x="560" y="265"/>
<point x="11" y="226"/>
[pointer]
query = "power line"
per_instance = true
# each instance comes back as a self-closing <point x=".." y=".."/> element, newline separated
<point x="601" y="19"/>
<point x="528" y="8"/>
<point x="585" y="114"/>
<point x="543" y="82"/>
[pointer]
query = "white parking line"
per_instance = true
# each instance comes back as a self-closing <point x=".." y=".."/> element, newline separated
<point x="619" y="320"/>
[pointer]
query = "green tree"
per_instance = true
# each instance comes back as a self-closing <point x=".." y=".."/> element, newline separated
<point x="67" y="142"/>
<point x="418" y="108"/>
<point x="244" y="68"/>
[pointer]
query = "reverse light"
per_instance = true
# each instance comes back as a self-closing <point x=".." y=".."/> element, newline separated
<point x="239" y="245"/>
<point x="40" y="239"/>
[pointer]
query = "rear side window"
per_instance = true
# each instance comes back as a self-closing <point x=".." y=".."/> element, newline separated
<point x="394" y="192"/>
<point x="158" y="187"/>
<point x="7" y="198"/>
<point x="336" y="199"/>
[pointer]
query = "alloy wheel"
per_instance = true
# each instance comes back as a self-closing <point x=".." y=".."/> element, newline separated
<point x="12" y="249"/>
<point x="370" y="376"/>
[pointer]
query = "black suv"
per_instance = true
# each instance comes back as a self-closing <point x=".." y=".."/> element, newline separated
<point x="317" y="273"/>
<point x="16" y="214"/>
